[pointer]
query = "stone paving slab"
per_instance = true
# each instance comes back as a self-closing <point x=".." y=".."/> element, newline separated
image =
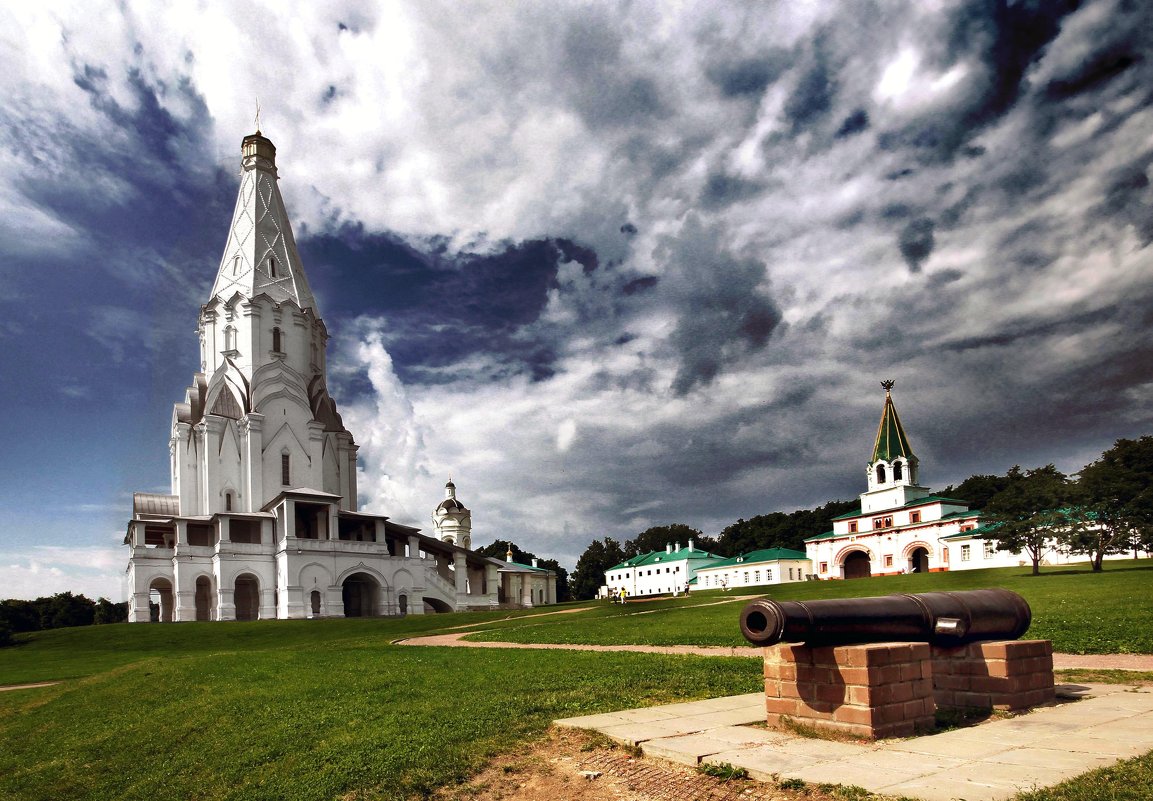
<point x="763" y="764"/>
<point x="990" y="762"/>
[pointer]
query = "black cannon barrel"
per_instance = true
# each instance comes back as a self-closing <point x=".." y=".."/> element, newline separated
<point x="941" y="618"/>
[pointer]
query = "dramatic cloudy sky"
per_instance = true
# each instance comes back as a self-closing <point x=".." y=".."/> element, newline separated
<point x="610" y="265"/>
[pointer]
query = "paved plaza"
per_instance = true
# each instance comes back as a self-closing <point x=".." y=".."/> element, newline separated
<point x="1092" y="726"/>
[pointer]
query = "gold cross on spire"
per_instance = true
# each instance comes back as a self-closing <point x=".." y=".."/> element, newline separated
<point x="257" y="120"/>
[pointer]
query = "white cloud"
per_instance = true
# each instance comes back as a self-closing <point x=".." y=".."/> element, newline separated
<point x="47" y="570"/>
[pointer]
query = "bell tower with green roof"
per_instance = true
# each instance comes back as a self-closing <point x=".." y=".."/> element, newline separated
<point x="892" y="470"/>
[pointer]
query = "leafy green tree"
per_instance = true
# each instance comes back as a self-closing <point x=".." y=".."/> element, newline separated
<point x="65" y="610"/>
<point x="589" y="575"/>
<point x="780" y="529"/>
<point x="1117" y="501"/>
<point x="108" y="612"/>
<point x="657" y="537"/>
<point x="1030" y="513"/>
<point x="978" y="490"/>
<point x="6" y="638"/>
<point x="20" y="615"/>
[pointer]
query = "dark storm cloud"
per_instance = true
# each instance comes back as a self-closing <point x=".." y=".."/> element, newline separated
<point x="149" y="211"/>
<point x="603" y="86"/>
<point x="916" y="242"/>
<point x="722" y="189"/>
<point x="722" y="314"/>
<point x="812" y="97"/>
<point x="439" y="310"/>
<point x="1128" y="198"/>
<point x="1005" y="39"/>
<point x="748" y="76"/>
<point x="855" y="123"/>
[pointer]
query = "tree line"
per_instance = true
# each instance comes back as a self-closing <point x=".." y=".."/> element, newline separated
<point x="1106" y="508"/>
<point x="58" y="611"/>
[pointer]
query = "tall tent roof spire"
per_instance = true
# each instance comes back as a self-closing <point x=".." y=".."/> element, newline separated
<point x="891" y="441"/>
<point x="260" y="256"/>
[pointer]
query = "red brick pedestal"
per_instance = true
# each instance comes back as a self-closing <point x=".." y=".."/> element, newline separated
<point x="1011" y="674"/>
<point x="878" y="690"/>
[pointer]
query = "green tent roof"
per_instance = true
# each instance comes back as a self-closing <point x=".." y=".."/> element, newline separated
<point x="658" y="557"/>
<point x="891" y="440"/>
<point x="765" y="555"/>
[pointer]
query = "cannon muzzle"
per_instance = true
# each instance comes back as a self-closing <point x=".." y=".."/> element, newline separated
<point x="940" y="618"/>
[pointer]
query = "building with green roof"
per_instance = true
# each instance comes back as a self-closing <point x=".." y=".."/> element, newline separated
<point x="754" y="569"/>
<point x="658" y="572"/>
<point x="900" y="525"/>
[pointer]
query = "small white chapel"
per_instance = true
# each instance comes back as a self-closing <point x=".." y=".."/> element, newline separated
<point x="262" y="521"/>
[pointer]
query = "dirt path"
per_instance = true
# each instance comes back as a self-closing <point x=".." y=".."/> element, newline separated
<point x="1060" y="661"/>
<point x="7" y="687"/>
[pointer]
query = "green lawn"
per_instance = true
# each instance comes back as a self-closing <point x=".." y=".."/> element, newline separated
<point x="332" y="709"/>
<point x="1080" y="611"/>
<point x="319" y="710"/>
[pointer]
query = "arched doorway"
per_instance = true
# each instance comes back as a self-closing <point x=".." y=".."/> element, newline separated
<point x="160" y="601"/>
<point x="857" y="565"/>
<point x="402" y="603"/>
<point x="360" y="592"/>
<point x="314" y="601"/>
<point x="246" y="596"/>
<point x="919" y="560"/>
<point x="436" y="605"/>
<point x="203" y="598"/>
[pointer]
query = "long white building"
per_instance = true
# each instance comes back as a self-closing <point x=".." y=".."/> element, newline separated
<point x="262" y="520"/>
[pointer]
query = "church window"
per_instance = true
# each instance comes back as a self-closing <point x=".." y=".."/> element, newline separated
<point x="229" y="338"/>
<point x="235" y="265"/>
<point x="228" y="501"/>
<point x="877" y="522"/>
<point x="824" y="567"/>
<point x="285" y="469"/>
<point x="315" y="352"/>
<point x="989" y="548"/>
<point x="757" y="576"/>
<point x="276" y="340"/>
<point x="966" y="552"/>
<point x="915" y="517"/>
<point x="896" y="471"/>
<point x="768" y="575"/>
<point x="888" y="560"/>
<point x="790" y="574"/>
<point x="852" y="526"/>
<point x="880" y="474"/>
<point x="272" y="267"/>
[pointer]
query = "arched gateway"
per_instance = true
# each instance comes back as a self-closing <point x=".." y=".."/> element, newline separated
<point x="857" y="565"/>
<point x="361" y="594"/>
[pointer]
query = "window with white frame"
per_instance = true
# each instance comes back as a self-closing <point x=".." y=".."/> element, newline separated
<point x="966" y="552"/>
<point x="990" y="548"/>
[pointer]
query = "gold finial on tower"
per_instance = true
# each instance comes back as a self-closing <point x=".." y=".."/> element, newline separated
<point x="887" y="385"/>
<point x="256" y="121"/>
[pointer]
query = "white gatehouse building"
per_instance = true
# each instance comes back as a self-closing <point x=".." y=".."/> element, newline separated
<point x="901" y="526"/>
<point x="262" y="520"/>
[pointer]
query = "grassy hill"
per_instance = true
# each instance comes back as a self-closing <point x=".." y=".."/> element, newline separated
<point x="332" y="709"/>
<point x="1080" y="611"/>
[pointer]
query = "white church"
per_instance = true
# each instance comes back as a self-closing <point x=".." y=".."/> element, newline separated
<point x="262" y="521"/>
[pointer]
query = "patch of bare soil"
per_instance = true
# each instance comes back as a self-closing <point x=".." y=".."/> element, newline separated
<point x="573" y="765"/>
